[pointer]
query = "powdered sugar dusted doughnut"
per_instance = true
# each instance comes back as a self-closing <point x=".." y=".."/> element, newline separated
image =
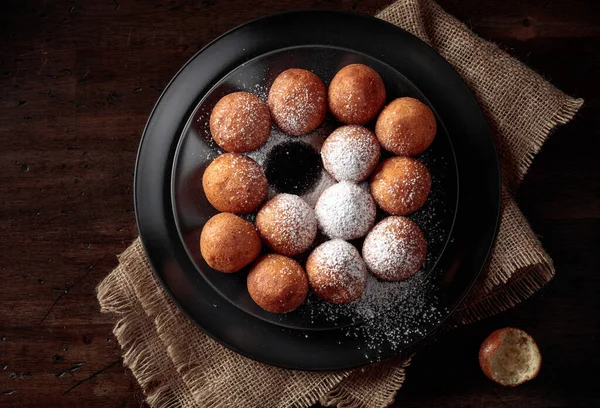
<point x="345" y="211"/>
<point x="287" y="224"/>
<point x="234" y="183"/>
<point x="356" y="94"/>
<point x="277" y="283"/>
<point x="336" y="272"/>
<point x="394" y="249"/>
<point x="240" y="122"/>
<point x="406" y="127"/>
<point x="400" y="185"/>
<point x="298" y="101"/>
<point x="350" y="153"/>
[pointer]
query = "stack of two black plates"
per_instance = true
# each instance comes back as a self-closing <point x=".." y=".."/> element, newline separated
<point x="459" y="220"/>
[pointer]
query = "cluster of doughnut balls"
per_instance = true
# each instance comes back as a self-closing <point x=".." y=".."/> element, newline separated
<point x="298" y="101"/>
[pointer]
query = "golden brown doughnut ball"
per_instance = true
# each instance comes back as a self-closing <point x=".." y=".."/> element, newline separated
<point x="277" y="283"/>
<point x="287" y="224"/>
<point x="356" y="94"/>
<point x="336" y="272"/>
<point x="400" y="185"/>
<point x="394" y="249"/>
<point x="234" y="183"/>
<point x="406" y="127"/>
<point x="298" y="101"/>
<point x="228" y="243"/>
<point x="240" y="122"/>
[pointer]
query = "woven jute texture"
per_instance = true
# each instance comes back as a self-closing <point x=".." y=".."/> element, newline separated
<point x="179" y="366"/>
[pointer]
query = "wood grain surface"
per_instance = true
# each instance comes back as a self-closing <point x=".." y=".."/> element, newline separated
<point x="77" y="82"/>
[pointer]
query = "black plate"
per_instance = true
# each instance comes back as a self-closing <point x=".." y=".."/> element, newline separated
<point x="460" y="219"/>
<point x="292" y="165"/>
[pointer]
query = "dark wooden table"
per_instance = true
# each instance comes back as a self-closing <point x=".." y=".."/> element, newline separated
<point x="77" y="82"/>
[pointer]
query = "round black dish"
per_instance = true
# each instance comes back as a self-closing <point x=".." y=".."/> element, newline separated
<point x="217" y="306"/>
<point x="293" y="165"/>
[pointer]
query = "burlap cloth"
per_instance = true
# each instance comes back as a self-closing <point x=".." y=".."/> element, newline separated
<point x="179" y="366"/>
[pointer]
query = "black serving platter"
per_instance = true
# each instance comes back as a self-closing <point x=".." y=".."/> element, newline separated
<point x="459" y="220"/>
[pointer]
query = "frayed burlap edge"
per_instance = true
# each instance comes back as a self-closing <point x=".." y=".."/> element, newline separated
<point x="346" y="395"/>
<point x="526" y="282"/>
<point x="154" y="337"/>
<point x="143" y="351"/>
<point x="566" y="113"/>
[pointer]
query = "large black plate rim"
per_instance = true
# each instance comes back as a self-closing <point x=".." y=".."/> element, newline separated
<point x="160" y="239"/>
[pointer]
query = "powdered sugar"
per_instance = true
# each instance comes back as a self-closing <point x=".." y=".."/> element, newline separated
<point x="325" y="181"/>
<point x="336" y="271"/>
<point x="394" y="249"/>
<point x="288" y="224"/>
<point x="345" y="211"/>
<point x="340" y="258"/>
<point x="350" y="153"/>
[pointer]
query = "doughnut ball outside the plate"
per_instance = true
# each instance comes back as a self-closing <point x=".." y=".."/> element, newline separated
<point x="345" y="211"/>
<point x="228" y="243"/>
<point x="336" y="272"/>
<point x="240" y="122"/>
<point x="277" y="283"/>
<point x="394" y="249"/>
<point x="287" y="224"/>
<point x="406" y="127"/>
<point x="400" y="185"/>
<point x="298" y="101"/>
<point x="350" y="153"/>
<point x="234" y="183"/>
<point x="510" y="357"/>
<point x="356" y="94"/>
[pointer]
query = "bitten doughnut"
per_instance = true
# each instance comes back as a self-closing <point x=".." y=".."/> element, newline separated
<point x="228" y="243"/>
<point x="345" y="211"/>
<point x="400" y="185"/>
<point x="298" y="101"/>
<point x="336" y="272"/>
<point x="240" y="122"/>
<point x="394" y="249"/>
<point x="406" y="127"/>
<point x="287" y="224"/>
<point x="277" y="283"/>
<point x="350" y="153"/>
<point x="510" y="357"/>
<point x="234" y="183"/>
<point x="356" y="94"/>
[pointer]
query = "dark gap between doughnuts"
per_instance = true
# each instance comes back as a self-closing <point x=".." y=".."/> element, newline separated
<point x="293" y="168"/>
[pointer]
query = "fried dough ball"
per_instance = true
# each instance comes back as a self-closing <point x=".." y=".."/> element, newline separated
<point x="234" y="183"/>
<point x="400" y="185"/>
<point x="350" y="153"/>
<point x="228" y="243"/>
<point x="240" y="122"/>
<point x="406" y="127"/>
<point x="287" y="224"/>
<point x="277" y="283"/>
<point x="298" y="101"/>
<point x="336" y="272"/>
<point x="394" y="249"/>
<point x="356" y="94"/>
